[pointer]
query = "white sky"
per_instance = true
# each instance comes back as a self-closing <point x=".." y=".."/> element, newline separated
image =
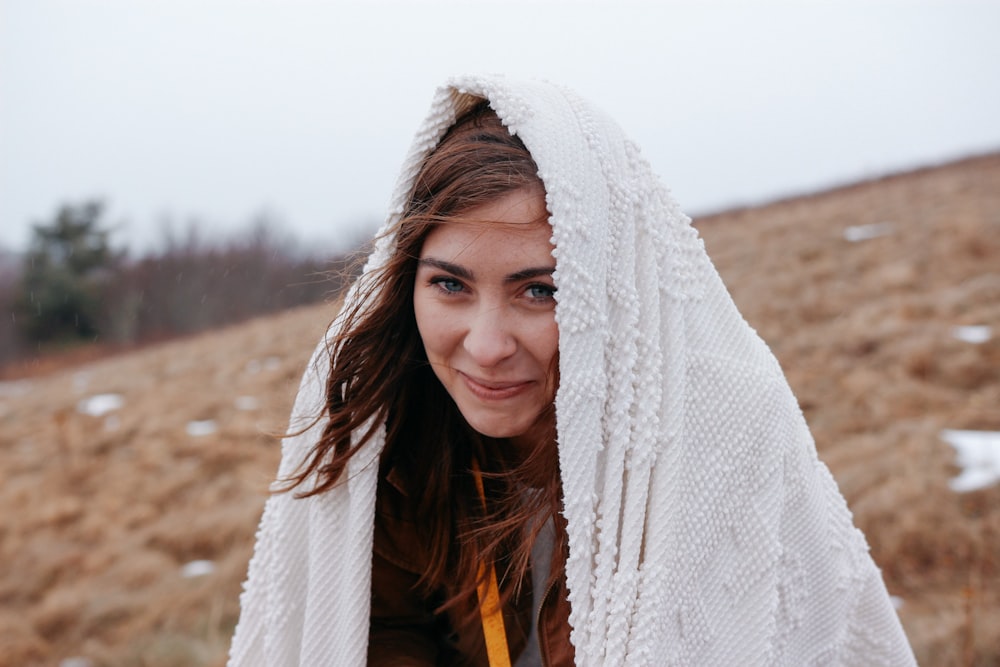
<point x="222" y="109"/>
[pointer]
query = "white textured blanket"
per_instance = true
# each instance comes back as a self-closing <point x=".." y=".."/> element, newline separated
<point x="703" y="530"/>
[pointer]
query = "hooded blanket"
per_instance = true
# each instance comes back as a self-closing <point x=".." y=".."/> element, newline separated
<point x="702" y="528"/>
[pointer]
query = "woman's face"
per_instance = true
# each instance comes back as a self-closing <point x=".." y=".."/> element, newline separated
<point x="483" y="299"/>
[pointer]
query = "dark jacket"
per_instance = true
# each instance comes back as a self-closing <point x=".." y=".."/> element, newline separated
<point x="405" y="632"/>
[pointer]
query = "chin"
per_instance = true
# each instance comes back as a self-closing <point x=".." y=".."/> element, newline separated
<point x="497" y="423"/>
<point x="498" y="430"/>
<point x="513" y="426"/>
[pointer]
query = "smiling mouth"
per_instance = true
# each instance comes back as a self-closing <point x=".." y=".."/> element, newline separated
<point x="494" y="391"/>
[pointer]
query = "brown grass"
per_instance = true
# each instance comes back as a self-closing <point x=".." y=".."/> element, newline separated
<point x="100" y="514"/>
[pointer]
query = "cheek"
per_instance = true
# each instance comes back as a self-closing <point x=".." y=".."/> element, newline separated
<point x="551" y="343"/>
<point x="546" y="351"/>
<point x="433" y="327"/>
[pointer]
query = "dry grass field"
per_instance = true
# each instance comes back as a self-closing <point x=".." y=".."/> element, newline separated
<point x="127" y="521"/>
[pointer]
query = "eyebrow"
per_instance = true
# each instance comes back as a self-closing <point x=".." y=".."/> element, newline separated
<point x="526" y="274"/>
<point x="466" y="274"/>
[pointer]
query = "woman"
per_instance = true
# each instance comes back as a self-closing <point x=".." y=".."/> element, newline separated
<point x="547" y="436"/>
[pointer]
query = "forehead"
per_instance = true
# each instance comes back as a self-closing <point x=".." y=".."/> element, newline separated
<point x="513" y="228"/>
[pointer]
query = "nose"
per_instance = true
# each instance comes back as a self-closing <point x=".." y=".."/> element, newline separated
<point x="489" y="339"/>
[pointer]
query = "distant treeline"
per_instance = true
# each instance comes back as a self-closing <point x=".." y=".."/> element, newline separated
<point x="74" y="287"/>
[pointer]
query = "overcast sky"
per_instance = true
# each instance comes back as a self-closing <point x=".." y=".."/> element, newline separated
<point x="222" y="110"/>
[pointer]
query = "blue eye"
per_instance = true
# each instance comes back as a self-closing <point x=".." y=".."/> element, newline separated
<point x="447" y="284"/>
<point x="541" y="291"/>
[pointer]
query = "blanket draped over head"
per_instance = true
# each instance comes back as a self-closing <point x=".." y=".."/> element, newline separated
<point x="702" y="528"/>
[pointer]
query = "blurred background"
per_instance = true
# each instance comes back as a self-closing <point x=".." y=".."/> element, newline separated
<point x="301" y="110"/>
<point x="170" y="168"/>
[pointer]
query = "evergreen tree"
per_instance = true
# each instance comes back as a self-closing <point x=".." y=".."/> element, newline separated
<point x="66" y="264"/>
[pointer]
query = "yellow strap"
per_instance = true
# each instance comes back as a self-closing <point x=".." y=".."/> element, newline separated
<point x="489" y="603"/>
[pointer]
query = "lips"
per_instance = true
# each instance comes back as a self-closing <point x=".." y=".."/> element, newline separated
<point x="488" y="390"/>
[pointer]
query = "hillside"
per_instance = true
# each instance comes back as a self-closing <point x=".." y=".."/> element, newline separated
<point x="132" y="485"/>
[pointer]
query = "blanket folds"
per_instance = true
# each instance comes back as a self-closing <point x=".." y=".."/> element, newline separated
<point x="702" y="527"/>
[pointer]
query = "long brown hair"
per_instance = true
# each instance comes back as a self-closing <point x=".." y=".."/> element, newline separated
<point x="380" y="374"/>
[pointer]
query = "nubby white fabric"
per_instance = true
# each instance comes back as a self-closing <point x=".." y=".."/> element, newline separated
<point x="703" y="529"/>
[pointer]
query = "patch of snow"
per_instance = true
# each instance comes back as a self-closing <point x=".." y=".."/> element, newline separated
<point x="864" y="232"/>
<point x="978" y="454"/>
<point x="201" y="428"/>
<point x="269" y="364"/>
<point x="197" y="568"/>
<point x="972" y="334"/>
<point x="76" y="661"/>
<point x="100" y="404"/>
<point x="246" y="403"/>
